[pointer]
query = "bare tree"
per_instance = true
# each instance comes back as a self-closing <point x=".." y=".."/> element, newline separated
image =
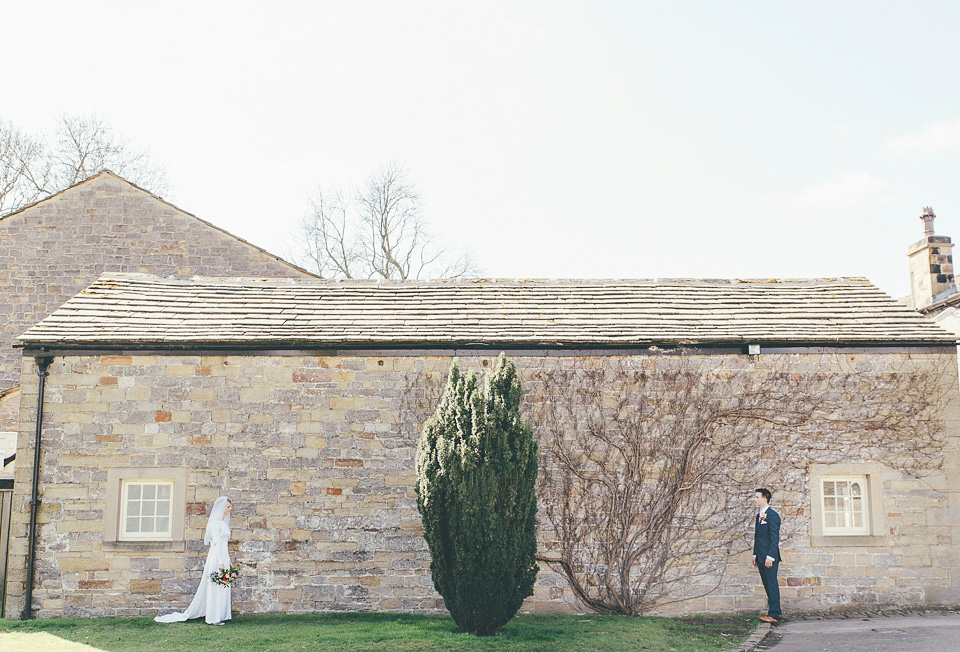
<point x="31" y="169"/>
<point x="647" y="463"/>
<point x="23" y="168"/>
<point x="86" y="145"/>
<point x="380" y="235"/>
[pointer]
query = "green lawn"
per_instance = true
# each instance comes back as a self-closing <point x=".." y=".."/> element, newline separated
<point x="383" y="631"/>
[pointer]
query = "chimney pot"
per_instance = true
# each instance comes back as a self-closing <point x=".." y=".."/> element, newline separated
<point x="927" y="217"/>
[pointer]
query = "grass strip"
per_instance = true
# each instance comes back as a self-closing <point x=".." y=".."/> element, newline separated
<point x="349" y="632"/>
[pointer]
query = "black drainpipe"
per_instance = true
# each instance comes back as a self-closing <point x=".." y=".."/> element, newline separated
<point x="42" y="365"/>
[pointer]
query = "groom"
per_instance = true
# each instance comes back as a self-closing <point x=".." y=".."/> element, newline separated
<point x="766" y="552"/>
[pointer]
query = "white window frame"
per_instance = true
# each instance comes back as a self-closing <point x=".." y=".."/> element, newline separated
<point x="154" y="535"/>
<point x="846" y="530"/>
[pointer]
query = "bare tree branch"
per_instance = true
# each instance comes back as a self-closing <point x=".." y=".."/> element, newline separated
<point x="83" y="146"/>
<point x="327" y="241"/>
<point x="383" y="237"/>
<point x="23" y="168"/>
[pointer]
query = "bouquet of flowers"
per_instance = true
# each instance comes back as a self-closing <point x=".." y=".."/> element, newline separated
<point x="225" y="576"/>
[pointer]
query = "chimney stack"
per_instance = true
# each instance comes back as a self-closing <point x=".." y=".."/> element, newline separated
<point x="931" y="265"/>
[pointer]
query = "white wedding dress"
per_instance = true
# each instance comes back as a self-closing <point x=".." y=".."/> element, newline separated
<point x="212" y="601"/>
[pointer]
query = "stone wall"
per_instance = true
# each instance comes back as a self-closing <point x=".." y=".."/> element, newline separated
<point x="52" y="250"/>
<point x="321" y="475"/>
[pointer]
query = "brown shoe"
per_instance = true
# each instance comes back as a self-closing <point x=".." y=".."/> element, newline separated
<point x="768" y="619"/>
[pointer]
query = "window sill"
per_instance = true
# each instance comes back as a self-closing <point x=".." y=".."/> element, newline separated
<point x="176" y="546"/>
<point x="849" y="540"/>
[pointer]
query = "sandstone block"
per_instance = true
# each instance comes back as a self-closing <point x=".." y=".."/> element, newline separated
<point x="145" y="586"/>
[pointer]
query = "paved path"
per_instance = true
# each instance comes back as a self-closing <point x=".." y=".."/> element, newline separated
<point x="930" y="632"/>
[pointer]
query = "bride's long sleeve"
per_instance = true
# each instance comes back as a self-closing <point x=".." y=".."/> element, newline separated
<point x="219" y="544"/>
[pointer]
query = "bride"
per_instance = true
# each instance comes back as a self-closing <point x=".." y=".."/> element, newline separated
<point x="212" y="600"/>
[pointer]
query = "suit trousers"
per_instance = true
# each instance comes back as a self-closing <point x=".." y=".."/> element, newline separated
<point x="769" y="578"/>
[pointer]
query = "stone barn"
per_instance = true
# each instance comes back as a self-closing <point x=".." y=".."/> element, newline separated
<point x="289" y="397"/>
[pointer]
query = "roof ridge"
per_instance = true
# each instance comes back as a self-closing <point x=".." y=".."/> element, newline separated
<point x="229" y="280"/>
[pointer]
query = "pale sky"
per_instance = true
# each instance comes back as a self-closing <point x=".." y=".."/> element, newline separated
<point x="553" y="139"/>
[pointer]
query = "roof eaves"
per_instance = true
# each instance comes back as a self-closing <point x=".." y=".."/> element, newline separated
<point x="261" y="345"/>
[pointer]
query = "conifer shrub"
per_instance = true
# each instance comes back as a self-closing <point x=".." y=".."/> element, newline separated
<point x="476" y="479"/>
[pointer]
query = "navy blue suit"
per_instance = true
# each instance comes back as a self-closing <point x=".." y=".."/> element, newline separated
<point x="766" y="543"/>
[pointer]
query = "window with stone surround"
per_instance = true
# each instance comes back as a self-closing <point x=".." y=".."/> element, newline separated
<point x="145" y="509"/>
<point x="846" y="503"/>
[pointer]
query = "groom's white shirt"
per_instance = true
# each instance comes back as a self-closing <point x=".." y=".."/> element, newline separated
<point x="760" y="515"/>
